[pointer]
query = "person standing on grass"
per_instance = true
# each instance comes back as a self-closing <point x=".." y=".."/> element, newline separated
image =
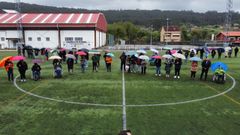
<point x="98" y="60"/>
<point x="213" y="53"/>
<point x="194" y="67"/>
<point x="186" y="54"/>
<point x="94" y="63"/>
<point x="143" y="67"/>
<point x="168" y="65"/>
<point x="70" y="64"/>
<point x="158" y="67"/>
<point x="109" y="63"/>
<point x="192" y="54"/>
<point x="219" y="50"/>
<point x="206" y="64"/>
<point x="9" y="68"/>
<point x="83" y="64"/>
<point x="178" y="64"/>
<point x="105" y="56"/>
<point x="123" y="59"/>
<point x="36" y="71"/>
<point x="22" y="68"/>
<point x="236" y="51"/>
<point x="46" y="55"/>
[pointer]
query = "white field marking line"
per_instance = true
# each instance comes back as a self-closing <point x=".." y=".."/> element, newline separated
<point x="130" y="105"/>
<point x="124" y="113"/>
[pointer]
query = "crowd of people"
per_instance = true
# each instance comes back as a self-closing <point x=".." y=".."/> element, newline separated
<point x="130" y="63"/>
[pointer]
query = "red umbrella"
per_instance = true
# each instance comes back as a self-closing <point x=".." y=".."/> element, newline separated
<point x="2" y="62"/>
<point x="81" y="53"/>
<point x="156" y="57"/>
<point x="62" y="49"/>
<point x="16" y="58"/>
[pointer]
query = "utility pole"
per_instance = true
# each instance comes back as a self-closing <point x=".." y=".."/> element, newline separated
<point x="151" y="35"/>
<point x="166" y="35"/>
<point x="19" y="21"/>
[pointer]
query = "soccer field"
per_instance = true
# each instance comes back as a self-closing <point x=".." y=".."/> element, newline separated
<point x="90" y="103"/>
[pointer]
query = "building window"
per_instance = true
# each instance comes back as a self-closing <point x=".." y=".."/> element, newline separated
<point x="78" y="39"/>
<point x="2" y="39"/>
<point x="68" y="39"/>
<point x="29" y="38"/>
<point x="39" y="39"/>
<point x="47" y="38"/>
<point x="176" y="35"/>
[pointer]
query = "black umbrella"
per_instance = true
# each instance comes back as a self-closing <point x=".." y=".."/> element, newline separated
<point x="84" y="50"/>
<point x="37" y="49"/>
<point x="28" y="47"/>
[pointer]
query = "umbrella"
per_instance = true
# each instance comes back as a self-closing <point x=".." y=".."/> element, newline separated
<point x="36" y="49"/>
<point x="131" y="53"/>
<point x="81" y="53"/>
<point x="62" y="49"/>
<point x="227" y="49"/>
<point x="28" y="47"/>
<point x="54" y="51"/>
<point x="84" y="50"/>
<point x="37" y="61"/>
<point x="141" y="51"/>
<point x="167" y="48"/>
<point x="178" y="55"/>
<point x="71" y="56"/>
<point x="2" y="62"/>
<point x="173" y="51"/>
<point x="110" y="54"/>
<point x="16" y="58"/>
<point x="154" y="50"/>
<point x="55" y="57"/>
<point x="94" y="52"/>
<point x="195" y="59"/>
<point x="156" y="57"/>
<point x="144" y="57"/>
<point x="194" y="50"/>
<point x="48" y="49"/>
<point x="217" y="65"/>
<point x="167" y="56"/>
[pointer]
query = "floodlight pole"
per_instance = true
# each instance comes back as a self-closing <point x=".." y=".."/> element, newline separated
<point x="151" y="35"/>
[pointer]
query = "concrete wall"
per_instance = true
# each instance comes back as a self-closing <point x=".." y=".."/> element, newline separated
<point x="43" y="34"/>
<point x="86" y="35"/>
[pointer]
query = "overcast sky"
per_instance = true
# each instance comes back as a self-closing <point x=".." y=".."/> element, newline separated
<point x="195" y="5"/>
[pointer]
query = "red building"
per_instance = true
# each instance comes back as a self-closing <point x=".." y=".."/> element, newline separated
<point x="233" y="36"/>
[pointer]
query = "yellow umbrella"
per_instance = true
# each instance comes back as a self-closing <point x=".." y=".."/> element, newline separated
<point x="2" y="62"/>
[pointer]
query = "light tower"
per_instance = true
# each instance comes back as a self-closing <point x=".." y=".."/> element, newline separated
<point x="228" y="20"/>
<point x="19" y="21"/>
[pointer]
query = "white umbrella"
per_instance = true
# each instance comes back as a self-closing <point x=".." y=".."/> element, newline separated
<point x="71" y="56"/>
<point x="179" y="55"/>
<point x="194" y="50"/>
<point x="143" y="57"/>
<point x="154" y="50"/>
<point x="167" y="56"/>
<point x="141" y="51"/>
<point x="55" y="57"/>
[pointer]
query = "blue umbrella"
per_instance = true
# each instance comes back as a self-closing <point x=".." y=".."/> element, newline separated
<point x="195" y="59"/>
<point x="217" y="65"/>
<point x="110" y="54"/>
